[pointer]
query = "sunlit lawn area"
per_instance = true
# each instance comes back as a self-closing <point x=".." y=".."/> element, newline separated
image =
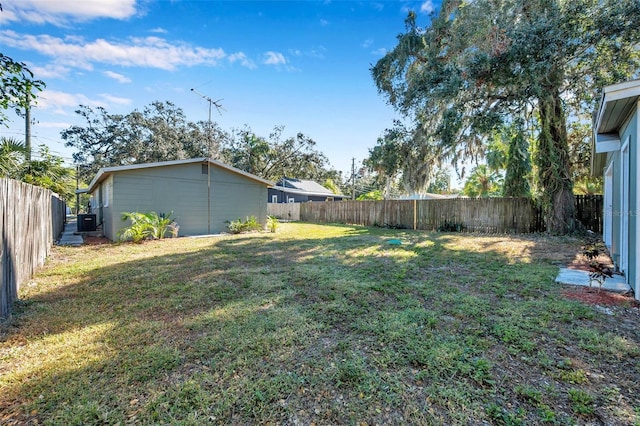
<point x="317" y="325"/>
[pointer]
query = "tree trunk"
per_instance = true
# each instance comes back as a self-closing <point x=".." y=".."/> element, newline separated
<point x="553" y="165"/>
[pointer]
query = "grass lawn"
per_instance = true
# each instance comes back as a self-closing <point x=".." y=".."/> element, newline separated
<point x="317" y="325"/>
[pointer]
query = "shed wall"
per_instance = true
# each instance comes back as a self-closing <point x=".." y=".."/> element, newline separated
<point x="182" y="189"/>
<point x="235" y="197"/>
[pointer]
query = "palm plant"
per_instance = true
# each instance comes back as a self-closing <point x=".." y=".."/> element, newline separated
<point x="145" y="225"/>
<point x="139" y="229"/>
<point x="12" y="157"/>
<point x="483" y="182"/>
<point x="159" y="224"/>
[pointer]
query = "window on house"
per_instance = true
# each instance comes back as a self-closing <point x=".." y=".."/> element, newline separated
<point x="274" y="198"/>
<point x="291" y="200"/>
<point x="205" y="169"/>
<point x="107" y="195"/>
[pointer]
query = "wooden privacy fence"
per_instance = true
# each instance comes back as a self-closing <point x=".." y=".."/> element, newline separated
<point x="589" y="210"/>
<point x="284" y="211"/>
<point x="491" y="215"/>
<point x="31" y="218"/>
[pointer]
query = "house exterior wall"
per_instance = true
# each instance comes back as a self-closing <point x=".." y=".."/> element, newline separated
<point x="628" y="132"/>
<point x="283" y="196"/>
<point x="235" y="197"/>
<point x="634" y="201"/>
<point x="182" y="189"/>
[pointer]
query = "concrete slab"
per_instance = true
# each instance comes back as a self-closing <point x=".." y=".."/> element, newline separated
<point x="69" y="236"/>
<point x="578" y="277"/>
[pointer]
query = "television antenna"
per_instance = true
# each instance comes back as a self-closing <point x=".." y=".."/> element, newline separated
<point x="211" y="102"/>
<point x="218" y="108"/>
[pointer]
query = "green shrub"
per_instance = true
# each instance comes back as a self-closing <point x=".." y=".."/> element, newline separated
<point x="272" y="223"/>
<point x="147" y="225"/>
<point x="248" y="225"/>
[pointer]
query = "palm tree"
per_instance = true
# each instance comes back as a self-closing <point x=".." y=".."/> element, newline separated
<point x="50" y="172"/>
<point x="587" y="186"/>
<point x="12" y="157"/>
<point x="483" y="182"/>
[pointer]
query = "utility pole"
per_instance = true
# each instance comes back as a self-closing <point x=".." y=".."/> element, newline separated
<point x="353" y="179"/>
<point x="218" y="107"/>
<point x="27" y="129"/>
<point x="77" y="187"/>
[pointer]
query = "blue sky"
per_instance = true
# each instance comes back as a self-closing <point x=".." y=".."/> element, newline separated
<point x="304" y="65"/>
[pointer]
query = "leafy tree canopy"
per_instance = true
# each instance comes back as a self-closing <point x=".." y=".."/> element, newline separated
<point x="479" y="64"/>
<point x="399" y="157"/>
<point x="160" y="132"/>
<point x="274" y="157"/>
<point x="18" y="87"/>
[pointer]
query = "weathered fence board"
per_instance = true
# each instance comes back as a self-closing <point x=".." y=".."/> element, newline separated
<point x="589" y="210"/>
<point x="487" y="215"/>
<point x="30" y="219"/>
<point x="284" y="211"/>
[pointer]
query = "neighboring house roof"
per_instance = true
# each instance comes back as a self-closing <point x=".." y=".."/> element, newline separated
<point x="304" y="187"/>
<point x="618" y="101"/>
<point x="104" y="172"/>
<point x="302" y="192"/>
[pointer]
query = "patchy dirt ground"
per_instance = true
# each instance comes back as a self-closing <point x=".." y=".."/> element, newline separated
<point x="92" y="241"/>
<point x="596" y="296"/>
<point x="321" y="325"/>
<point x="592" y="295"/>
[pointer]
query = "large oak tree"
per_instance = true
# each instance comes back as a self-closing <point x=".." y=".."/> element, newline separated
<point x="160" y="132"/>
<point x="480" y="64"/>
<point x="274" y="157"/>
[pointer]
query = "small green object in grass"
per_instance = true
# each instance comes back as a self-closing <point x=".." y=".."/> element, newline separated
<point x="394" y="242"/>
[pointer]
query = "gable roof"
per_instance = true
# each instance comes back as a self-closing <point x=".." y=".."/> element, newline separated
<point x="308" y="193"/>
<point x="616" y="104"/>
<point x="304" y="185"/>
<point x="104" y="172"/>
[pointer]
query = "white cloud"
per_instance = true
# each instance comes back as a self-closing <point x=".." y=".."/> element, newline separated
<point x="324" y="22"/>
<point x="115" y="99"/>
<point x="427" y="7"/>
<point x="367" y="43"/>
<point x="61" y="12"/>
<point x="159" y="31"/>
<point x="242" y="58"/>
<point x="150" y="52"/>
<point x="316" y="52"/>
<point x="274" y="58"/>
<point x="118" y="77"/>
<point x="382" y="51"/>
<point x="59" y="102"/>
<point x="49" y="71"/>
<point x="65" y="103"/>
